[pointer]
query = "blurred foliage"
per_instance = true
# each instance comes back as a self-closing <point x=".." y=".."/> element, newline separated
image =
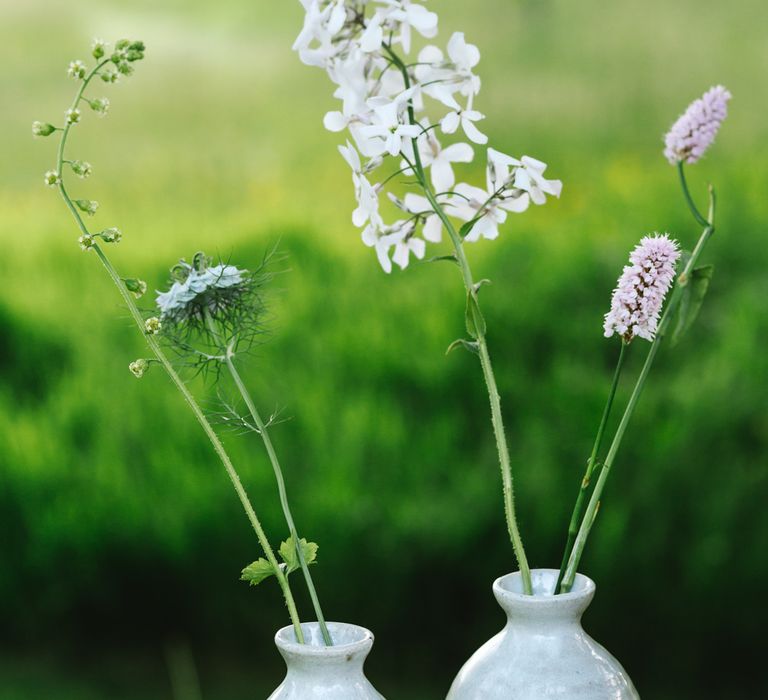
<point x="119" y="528"/>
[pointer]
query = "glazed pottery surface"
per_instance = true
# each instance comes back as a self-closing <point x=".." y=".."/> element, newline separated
<point x="543" y="652"/>
<point x="318" y="672"/>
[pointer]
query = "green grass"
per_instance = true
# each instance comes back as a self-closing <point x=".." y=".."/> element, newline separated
<point x="120" y="529"/>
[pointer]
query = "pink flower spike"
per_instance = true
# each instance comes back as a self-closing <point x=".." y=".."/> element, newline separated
<point x="693" y="133"/>
<point x="639" y="295"/>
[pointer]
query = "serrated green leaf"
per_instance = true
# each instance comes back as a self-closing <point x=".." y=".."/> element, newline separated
<point x="466" y="344"/>
<point x="692" y="298"/>
<point x="290" y="556"/>
<point x="258" y="571"/>
<point x="474" y="318"/>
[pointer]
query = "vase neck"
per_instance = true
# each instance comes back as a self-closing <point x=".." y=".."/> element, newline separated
<point x="543" y="607"/>
<point x="351" y="647"/>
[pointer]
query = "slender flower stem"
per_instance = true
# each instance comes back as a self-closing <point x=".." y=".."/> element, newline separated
<point x="687" y="194"/>
<point x="482" y="347"/>
<point x="581" y="499"/>
<point x="177" y="381"/>
<point x="267" y="440"/>
<point x="682" y="281"/>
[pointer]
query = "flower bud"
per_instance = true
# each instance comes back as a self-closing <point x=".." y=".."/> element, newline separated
<point x="100" y="106"/>
<point x="42" y="129"/>
<point x="89" y="206"/>
<point x="109" y="76"/>
<point x="52" y="178"/>
<point x="86" y="241"/>
<point x="76" y="70"/>
<point x="136" y="287"/>
<point x="72" y="116"/>
<point x="124" y="68"/>
<point x="138" y="367"/>
<point x="98" y="48"/>
<point x="152" y="325"/>
<point x="81" y="168"/>
<point x="111" y="235"/>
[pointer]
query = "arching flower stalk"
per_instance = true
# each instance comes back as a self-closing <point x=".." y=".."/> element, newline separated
<point x="109" y="68"/>
<point x="394" y="107"/>
<point x="636" y="308"/>
<point x="213" y="313"/>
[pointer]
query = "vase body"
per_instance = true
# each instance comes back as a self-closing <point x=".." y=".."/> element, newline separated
<point x="542" y="652"/>
<point x="317" y="672"/>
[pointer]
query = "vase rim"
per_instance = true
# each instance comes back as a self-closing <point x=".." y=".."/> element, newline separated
<point x="510" y="588"/>
<point x="348" y="639"/>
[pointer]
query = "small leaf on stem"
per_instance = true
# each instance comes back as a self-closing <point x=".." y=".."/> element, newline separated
<point x="474" y="317"/>
<point x="690" y="303"/>
<point x="258" y="571"/>
<point x="290" y="555"/>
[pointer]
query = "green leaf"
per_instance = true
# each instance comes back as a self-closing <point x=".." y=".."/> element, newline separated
<point x="290" y="555"/>
<point x="482" y="282"/>
<point x="474" y="317"/>
<point x="470" y="345"/>
<point x="441" y="258"/>
<point x="466" y="228"/>
<point x="694" y="292"/>
<point x="255" y="573"/>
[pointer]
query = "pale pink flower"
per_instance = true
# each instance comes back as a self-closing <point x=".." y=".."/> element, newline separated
<point x="693" y="133"/>
<point x="639" y="295"/>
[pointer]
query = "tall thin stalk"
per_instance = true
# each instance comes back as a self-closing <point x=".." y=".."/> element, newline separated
<point x="161" y="357"/>
<point x="581" y="499"/>
<point x="683" y="280"/>
<point x="482" y="348"/>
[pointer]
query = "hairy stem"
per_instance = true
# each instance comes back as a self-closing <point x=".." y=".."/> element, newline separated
<point x="482" y="346"/>
<point x="683" y="279"/>
<point x="161" y="357"/>
<point x="581" y="499"/>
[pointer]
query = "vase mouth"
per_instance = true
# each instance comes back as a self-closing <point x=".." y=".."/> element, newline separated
<point x="348" y="640"/>
<point x="508" y="590"/>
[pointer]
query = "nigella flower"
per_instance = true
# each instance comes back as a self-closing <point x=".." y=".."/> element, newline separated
<point x="693" y="133"/>
<point x="638" y="297"/>
<point x="218" y="303"/>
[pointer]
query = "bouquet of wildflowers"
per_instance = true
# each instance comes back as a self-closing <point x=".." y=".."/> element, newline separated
<point x="400" y="107"/>
<point x="210" y="317"/>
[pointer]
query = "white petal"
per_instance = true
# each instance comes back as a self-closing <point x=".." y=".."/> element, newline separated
<point x="459" y="153"/>
<point x="401" y="255"/>
<point x="433" y="229"/>
<point x="418" y="247"/>
<point x="442" y="175"/>
<point x="473" y="133"/>
<point x="450" y="122"/>
<point x="335" y="121"/>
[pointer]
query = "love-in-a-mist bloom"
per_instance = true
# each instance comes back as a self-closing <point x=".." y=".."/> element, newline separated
<point x="693" y="133"/>
<point x="639" y="295"/>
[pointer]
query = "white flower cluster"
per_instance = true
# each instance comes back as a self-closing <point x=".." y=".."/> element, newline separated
<point x="638" y="297"/>
<point x="181" y="294"/>
<point x="384" y="108"/>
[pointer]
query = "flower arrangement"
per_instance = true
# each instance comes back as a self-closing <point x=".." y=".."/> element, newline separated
<point x="393" y="106"/>
<point x="210" y="316"/>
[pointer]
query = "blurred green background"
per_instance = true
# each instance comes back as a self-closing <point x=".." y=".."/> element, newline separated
<point x="120" y="539"/>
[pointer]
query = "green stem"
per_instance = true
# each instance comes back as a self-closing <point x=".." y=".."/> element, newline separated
<point x="262" y="429"/>
<point x="177" y="381"/>
<point x="594" y="503"/>
<point x="482" y="346"/>
<point x="687" y="194"/>
<point x="581" y="499"/>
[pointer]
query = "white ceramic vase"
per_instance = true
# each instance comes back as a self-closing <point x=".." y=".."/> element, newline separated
<point x="318" y="672"/>
<point x="543" y="652"/>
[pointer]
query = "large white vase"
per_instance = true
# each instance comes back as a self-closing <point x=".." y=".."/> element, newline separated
<point x="318" y="672"/>
<point x="542" y="652"/>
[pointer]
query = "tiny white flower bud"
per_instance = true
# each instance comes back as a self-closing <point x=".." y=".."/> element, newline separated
<point x="136" y="287"/>
<point x="76" y="70"/>
<point x="52" y="178"/>
<point x="89" y="206"/>
<point x="72" y="116"/>
<point x="138" y="367"/>
<point x="42" y="129"/>
<point x="100" y="106"/>
<point x="152" y="325"/>
<point x="86" y="241"/>
<point x="98" y="48"/>
<point x="81" y="168"/>
<point x="111" y="235"/>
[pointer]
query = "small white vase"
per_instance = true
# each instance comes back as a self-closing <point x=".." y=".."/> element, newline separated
<point x="318" y="672"/>
<point x="543" y="652"/>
